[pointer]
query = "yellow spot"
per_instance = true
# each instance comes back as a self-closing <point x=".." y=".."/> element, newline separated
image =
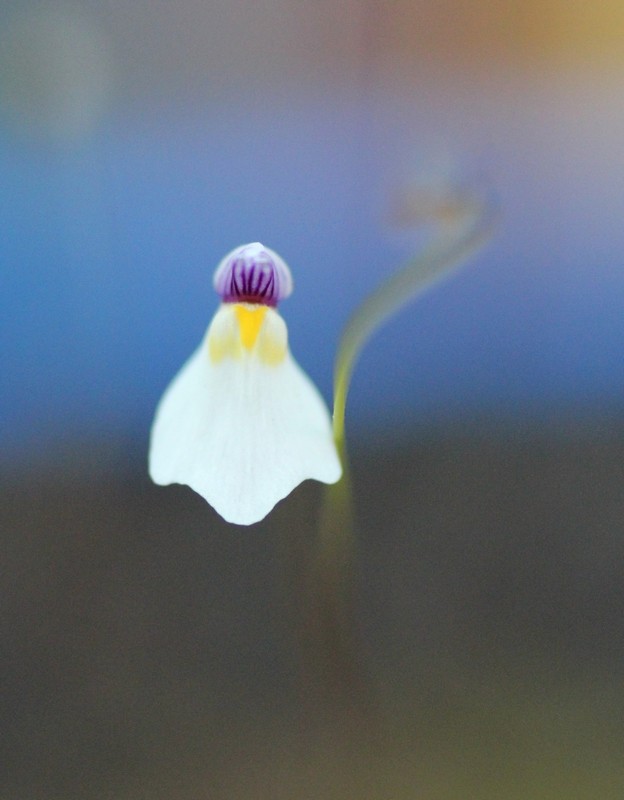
<point x="242" y="330"/>
<point x="220" y="347"/>
<point x="250" y="319"/>
<point x="271" y="349"/>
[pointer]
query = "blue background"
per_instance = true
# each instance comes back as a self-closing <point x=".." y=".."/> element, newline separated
<point x="114" y="215"/>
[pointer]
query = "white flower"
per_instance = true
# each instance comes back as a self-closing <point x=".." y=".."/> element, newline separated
<point x="241" y="423"/>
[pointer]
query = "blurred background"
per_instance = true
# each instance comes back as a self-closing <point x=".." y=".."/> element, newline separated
<point x="146" y="648"/>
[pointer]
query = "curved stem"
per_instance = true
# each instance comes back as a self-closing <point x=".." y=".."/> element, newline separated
<point x="333" y="651"/>
<point x="460" y="233"/>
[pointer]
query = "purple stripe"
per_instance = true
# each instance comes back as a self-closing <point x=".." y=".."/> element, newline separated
<point x="252" y="274"/>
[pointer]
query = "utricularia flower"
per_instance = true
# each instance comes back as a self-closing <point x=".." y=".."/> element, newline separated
<point x="241" y="423"/>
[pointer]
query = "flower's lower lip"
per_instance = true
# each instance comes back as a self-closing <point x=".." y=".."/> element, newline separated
<point x="241" y="423"/>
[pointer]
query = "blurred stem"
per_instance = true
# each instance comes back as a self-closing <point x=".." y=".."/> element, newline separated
<point x="334" y="662"/>
<point x="462" y="223"/>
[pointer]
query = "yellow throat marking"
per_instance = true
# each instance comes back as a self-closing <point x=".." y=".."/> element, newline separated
<point x="239" y="329"/>
<point x="250" y="319"/>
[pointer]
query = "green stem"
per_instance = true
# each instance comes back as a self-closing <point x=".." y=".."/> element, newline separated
<point x="459" y="235"/>
<point x="333" y="651"/>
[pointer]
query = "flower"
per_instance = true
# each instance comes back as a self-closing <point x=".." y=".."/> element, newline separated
<point x="241" y="423"/>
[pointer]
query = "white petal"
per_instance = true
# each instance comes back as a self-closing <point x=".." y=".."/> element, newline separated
<point x="242" y="432"/>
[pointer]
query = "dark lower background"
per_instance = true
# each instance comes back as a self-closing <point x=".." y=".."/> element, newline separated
<point x="149" y="650"/>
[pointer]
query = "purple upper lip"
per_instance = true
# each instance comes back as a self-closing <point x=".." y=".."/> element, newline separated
<point x="253" y="274"/>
